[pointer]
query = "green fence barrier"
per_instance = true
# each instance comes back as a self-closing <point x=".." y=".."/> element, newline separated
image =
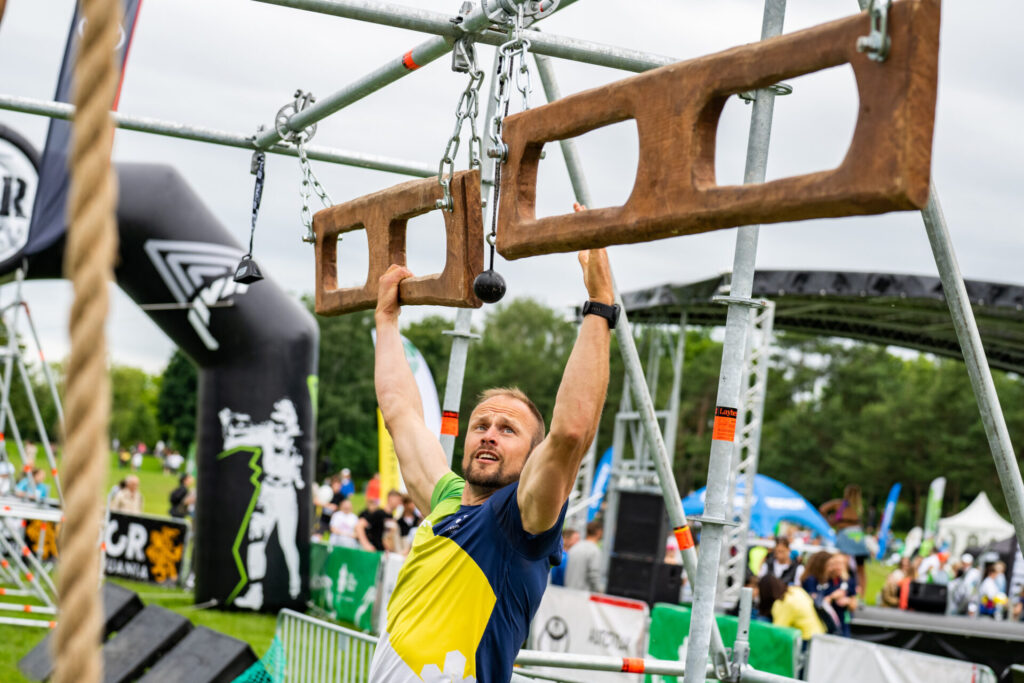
<point x="774" y="649"/>
<point x="343" y="582"/>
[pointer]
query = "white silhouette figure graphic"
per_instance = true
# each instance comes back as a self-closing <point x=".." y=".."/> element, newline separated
<point x="277" y="505"/>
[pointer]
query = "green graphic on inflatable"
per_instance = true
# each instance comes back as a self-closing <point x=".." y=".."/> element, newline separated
<point x="773" y="649"/>
<point x="254" y="465"/>
<point x="343" y="583"/>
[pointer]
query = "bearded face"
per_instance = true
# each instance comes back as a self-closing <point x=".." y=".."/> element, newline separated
<point x="498" y="442"/>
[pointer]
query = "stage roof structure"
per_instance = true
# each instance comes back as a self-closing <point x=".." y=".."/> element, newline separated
<point x="883" y="308"/>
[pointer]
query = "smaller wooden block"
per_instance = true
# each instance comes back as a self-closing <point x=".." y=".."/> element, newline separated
<point x="203" y="656"/>
<point x="676" y="109"/>
<point x="140" y="643"/>
<point x="384" y="215"/>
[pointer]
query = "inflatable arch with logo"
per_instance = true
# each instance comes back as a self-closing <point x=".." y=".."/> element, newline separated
<point x="255" y="347"/>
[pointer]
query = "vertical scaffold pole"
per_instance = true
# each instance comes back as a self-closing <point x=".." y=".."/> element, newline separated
<point x="638" y="384"/>
<point x="974" y="356"/>
<point x="716" y="507"/>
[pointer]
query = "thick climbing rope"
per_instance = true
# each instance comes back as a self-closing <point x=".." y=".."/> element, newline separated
<point x="89" y="264"/>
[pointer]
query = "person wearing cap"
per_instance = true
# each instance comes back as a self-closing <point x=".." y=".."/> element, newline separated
<point x="466" y="594"/>
<point x="348" y="487"/>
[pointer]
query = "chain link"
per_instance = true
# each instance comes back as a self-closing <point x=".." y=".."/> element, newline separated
<point x="516" y="46"/>
<point x="467" y="109"/>
<point x="300" y="138"/>
<point x="309" y="183"/>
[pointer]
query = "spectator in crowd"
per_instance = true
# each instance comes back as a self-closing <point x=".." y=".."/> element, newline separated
<point x="6" y="478"/>
<point x="183" y="498"/>
<point x="1018" y="606"/>
<point x="991" y="597"/>
<point x="570" y="537"/>
<point x="31" y="486"/>
<point x="137" y="458"/>
<point x="30" y="453"/>
<point x="124" y="458"/>
<point x="780" y="564"/>
<point x="331" y="506"/>
<point x="788" y="606"/>
<point x="583" y="572"/>
<point x="128" y="498"/>
<point x="841" y="593"/>
<point x="844" y="514"/>
<point x="932" y="569"/>
<point x="408" y="519"/>
<point x="348" y="487"/>
<point x="893" y="586"/>
<point x="373" y="487"/>
<point x="373" y="521"/>
<point x="343" y="525"/>
<point x="173" y="462"/>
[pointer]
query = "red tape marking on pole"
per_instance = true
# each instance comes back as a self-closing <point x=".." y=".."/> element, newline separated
<point x="408" y="63"/>
<point x="725" y="424"/>
<point x="684" y="537"/>
<point x="632" y="665"/>
<point x="450" y="423"/>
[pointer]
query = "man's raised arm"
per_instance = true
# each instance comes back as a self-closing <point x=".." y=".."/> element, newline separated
<point x="420" y="456"/>
<point x="550" y="471"/>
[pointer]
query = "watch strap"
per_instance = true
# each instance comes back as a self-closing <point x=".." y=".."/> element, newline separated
<point x="609" y="313"/>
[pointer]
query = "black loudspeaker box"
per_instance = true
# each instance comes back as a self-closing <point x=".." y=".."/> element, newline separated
<point x="645" y="580"/>
<point x="642" y="527"/>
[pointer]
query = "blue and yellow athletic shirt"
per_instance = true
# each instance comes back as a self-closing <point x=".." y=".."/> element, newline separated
<point x="467" y="592"/>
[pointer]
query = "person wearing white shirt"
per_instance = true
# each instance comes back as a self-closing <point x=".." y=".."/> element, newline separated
<point x="343" y="526"/>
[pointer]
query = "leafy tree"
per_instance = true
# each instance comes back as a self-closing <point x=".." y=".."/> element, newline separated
<point x="176" y="402"/>
<point x="133" y="405"/>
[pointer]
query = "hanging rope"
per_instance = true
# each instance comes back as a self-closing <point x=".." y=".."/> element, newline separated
<point x="88" y="263"/>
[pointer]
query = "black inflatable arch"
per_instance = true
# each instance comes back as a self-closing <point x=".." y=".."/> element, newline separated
<point x="256" y="350"/>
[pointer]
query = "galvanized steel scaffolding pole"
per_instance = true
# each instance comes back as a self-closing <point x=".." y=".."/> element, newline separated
<point x="716" y="507"/>
<point x="638" y="384"/>
<point x="978" y="370"/>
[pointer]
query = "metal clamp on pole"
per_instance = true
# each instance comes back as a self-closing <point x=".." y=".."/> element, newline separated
<point x="779" y="90"/>
<point x="741" y="646"/>
<point x="877" y="43"/>
<point x="740" y="301"/>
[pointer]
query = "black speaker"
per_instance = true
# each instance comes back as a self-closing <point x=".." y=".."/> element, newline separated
<point x="927" y="597"/>
<point x="641" y="527"/>
<point x="640" y="579"/>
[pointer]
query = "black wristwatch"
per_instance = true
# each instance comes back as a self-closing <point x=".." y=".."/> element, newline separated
<point x="609" y="313"/>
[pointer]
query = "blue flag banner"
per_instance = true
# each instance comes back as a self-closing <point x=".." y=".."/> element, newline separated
<point x="883" y="529"/>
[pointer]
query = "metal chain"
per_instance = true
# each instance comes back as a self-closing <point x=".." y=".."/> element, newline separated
<point x="300" y="138"/>
<point x="877" y="43"/>
<point x="309" y="180"/>
<point x="517" y="45"/>
<point x="467" y="109"/>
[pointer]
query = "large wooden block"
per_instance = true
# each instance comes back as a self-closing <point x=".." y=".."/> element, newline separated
<point x="203" y="656"/>
<point x="676" y="109"/>
<point x="142" y="641"/>
<point x="384" y="215"/>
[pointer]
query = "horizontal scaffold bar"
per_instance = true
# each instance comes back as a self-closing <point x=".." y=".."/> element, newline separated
<point x="440" y="24"/>
<point x="62" y="110"/>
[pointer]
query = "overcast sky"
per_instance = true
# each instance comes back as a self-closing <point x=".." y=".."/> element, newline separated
<point x="231" y="64"/>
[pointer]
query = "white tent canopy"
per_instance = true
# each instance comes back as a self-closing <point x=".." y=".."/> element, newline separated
<point x="977" y="524"/>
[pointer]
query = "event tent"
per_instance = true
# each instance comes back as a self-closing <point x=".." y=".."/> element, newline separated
<point x="976" y="525"/>
<point x="774" y="502"/>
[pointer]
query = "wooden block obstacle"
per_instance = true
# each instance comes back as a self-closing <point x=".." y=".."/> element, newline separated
<point x="142" y="641"/>
<point x="384" y="215"/>
<point x="676" y="109"/>
<point x="203" y="656"/>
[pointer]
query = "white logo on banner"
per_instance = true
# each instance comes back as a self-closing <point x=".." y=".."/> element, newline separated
<point x="277" y="507"/>
<point x="198" y="274"/>
<point x="17" y="193"/>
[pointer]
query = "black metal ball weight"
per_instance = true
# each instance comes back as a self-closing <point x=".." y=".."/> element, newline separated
<point x="489" y="287"/>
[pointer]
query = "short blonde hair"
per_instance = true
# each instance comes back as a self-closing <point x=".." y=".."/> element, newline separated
<point x="517" y="394"/>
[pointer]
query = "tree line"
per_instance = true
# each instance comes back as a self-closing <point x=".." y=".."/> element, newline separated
<point x="836" y="412"/>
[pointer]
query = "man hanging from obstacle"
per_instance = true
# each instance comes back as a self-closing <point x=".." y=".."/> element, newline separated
<point x="479" y="562"/>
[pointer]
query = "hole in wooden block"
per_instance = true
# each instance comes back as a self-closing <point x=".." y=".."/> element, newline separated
<point x="353" y="258"/>
<point x="610" y="154"/>
<point x="426" y="243"/>
<point x="811" y="128"/>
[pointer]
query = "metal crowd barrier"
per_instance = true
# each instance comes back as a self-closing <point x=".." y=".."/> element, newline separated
<point x="317" y="651"/>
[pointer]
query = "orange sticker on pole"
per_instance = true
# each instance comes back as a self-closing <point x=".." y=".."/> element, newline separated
<point x="684" y="537"/>
<point x="725" y="424"/>
<point x="632" y="665"/>
<point x="450" y="423"/>
<point x="408" y="63"/>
